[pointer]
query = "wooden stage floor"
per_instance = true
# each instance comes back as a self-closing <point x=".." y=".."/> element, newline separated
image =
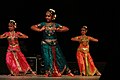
<point x="41" y="77"/>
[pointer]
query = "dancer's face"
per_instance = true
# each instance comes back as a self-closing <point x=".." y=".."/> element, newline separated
<point x="11" y="26"/>
<point x="48" y="16"/>
<point x="83" y="31"/>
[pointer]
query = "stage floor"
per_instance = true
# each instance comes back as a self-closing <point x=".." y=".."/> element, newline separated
<point x="41" y="77"/>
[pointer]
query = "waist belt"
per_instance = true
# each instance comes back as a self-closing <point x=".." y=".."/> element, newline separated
<point x="50" y="42"/>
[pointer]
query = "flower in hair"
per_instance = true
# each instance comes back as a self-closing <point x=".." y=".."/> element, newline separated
<point x="85" y="27"/>
<point x="15" y="25"/>
<point x="52" y="10"/>
<point x="54" y="17"/>
<point x="14" y="22"/>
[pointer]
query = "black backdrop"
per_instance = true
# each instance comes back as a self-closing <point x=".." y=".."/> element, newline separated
<point x="74" y="14"/>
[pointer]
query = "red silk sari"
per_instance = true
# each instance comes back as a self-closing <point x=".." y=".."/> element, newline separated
<point x="15" y="59"/>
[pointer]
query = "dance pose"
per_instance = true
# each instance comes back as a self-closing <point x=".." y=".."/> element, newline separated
<point x="15" y="59"/>
<point x="84" y="59"/>
<point x="54" y="61"/>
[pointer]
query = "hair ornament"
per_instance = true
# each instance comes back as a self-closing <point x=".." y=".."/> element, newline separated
<point x="85" y="27"/>
<point x="14" y="23"/>
<point x="54" y="17"/>
<point x="52" y="10"/>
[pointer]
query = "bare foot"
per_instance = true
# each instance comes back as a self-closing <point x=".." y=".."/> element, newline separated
<point x="70" y="74"/>
<point x="46" y="75"/>
<point x="98" y="74"/>
<point x="34" y="73"/>
<point x="9" y="74"/>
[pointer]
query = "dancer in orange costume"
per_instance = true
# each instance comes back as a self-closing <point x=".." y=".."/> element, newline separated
<point x="85" y="61"/>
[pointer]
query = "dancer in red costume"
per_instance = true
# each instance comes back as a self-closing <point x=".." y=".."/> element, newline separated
<point x="15" y="60"/>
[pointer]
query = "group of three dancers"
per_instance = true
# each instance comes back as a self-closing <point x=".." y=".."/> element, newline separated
<point x="54" y="61"/>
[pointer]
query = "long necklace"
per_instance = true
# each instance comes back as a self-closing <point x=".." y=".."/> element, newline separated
<point x="49" y="30"/>
<point x="12" y="35"/>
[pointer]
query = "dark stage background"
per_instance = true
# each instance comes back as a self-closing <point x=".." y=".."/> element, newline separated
<point x="97" y="16"/>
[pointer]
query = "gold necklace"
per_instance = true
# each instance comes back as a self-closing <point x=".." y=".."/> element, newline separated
<point x="12" y="35"/>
